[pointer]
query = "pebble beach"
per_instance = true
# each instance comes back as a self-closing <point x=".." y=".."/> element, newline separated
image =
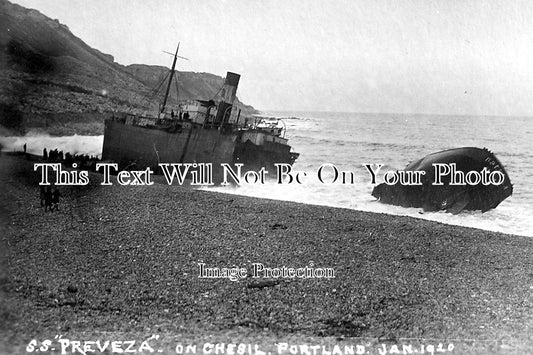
<point x="123" y="262"/>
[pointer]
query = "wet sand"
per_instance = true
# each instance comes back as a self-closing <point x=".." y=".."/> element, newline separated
<point x="123" y="262"/>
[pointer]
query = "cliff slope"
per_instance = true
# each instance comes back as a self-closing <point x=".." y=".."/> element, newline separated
<point x="51" y="79"/>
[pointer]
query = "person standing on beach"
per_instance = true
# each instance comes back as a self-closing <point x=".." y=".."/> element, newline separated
<point x="25" y="148"/>
<point x="55" y="200"/>
<point x="45" y="154"/>
<point x="42" y="195"/>
<point x="48" y="199"/>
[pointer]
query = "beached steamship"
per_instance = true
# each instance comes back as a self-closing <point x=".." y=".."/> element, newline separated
<point x="198" y="132"/>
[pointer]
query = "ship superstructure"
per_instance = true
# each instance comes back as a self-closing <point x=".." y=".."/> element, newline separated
<point x="198" y="131"/>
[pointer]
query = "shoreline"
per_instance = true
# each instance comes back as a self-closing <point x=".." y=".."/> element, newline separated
<point x="417" y="213"/>
<point x="125" y="260"/>
<point x="385" y="213"/>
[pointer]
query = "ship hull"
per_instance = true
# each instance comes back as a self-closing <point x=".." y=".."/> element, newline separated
<point x="131" y="145"/>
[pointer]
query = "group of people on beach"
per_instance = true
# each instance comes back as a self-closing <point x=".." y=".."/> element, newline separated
<point x="49" y="199"/>
<point x="53" y="156"/>
<point x="82" y="160"/>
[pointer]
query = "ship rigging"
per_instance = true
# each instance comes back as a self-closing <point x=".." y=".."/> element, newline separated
<point x="202" y="131"/>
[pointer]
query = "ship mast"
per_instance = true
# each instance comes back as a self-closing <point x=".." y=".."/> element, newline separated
<point x="170" y="80"/>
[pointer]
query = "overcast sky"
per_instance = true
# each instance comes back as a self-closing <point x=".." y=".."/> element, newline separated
<point x="408" y="56"/>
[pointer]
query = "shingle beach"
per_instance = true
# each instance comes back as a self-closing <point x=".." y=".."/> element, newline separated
<point x="123" y="263"/>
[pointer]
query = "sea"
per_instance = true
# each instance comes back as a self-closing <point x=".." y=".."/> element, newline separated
<point x="345" y="142"/>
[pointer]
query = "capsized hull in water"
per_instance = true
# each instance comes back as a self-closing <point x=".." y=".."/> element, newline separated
<point x="449" y="196"/>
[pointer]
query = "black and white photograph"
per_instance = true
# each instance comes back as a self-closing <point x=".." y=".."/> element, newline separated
<point x="266" y="177"/>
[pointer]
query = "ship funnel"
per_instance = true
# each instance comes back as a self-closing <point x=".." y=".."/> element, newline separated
<point x="230" y="87"/>
<point x="228" y="94"/>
